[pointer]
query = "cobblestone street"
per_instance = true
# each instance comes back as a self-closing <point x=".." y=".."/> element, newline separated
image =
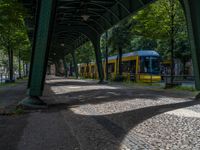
<point x="117" y="117"/>
<point x="83" y="115"/>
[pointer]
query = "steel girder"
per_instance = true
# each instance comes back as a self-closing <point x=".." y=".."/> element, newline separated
<point x="192" y="11"/>
<point x="76" y="21"/>
<point x="103" y="14"/>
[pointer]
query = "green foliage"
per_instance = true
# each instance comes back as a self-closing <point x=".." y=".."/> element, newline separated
<point x="19" y="111"/>
<point x="13" y="33"/>
<point x="150" y="28"/>
<point x="143" y="43"/>
<point x="153" y="28"/>
<point x="185" y="88"/>
<point x="155" y="21"/>
<point x="120" y="37"/>
<point x="85" y="53"/>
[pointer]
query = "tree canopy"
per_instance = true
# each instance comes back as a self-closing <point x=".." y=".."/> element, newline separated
<point x="13" y="33"/>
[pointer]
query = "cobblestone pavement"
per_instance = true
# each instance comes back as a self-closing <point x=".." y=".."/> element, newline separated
<point x="114" y="117"/>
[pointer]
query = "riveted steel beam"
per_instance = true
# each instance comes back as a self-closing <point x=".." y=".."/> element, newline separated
<point x="192" y="12"/>
<point x="42" y="46"/>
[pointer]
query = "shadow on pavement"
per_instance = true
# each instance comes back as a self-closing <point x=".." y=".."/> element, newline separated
<point x="117" y="124"/>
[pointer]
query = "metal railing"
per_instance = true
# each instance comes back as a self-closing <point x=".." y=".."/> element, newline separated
<point x="177" y="78"/>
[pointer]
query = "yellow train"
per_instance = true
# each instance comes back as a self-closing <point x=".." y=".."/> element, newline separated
<point x="140" y="66"/>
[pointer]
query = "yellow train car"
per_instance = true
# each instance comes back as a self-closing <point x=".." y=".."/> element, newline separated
<point x="88" y="70"/>
<point x="93" y="71"/>
<point x="140" y="66"/>
<point x="112" y="67"/>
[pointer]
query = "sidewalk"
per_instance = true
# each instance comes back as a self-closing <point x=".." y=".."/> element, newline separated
<point x="10" y="95"/>
<point x="83" y="115"/>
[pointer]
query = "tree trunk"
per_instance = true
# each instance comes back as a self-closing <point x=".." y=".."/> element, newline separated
<point x="75" y="65"/>
<point x="56" y="68"/>
<point x="172" y="41"/>
<point x="26" y="74"/>
<point x="70" y="73"/>
<point x="19" y="65"/>
<point x="106" y="55"/>
<point x="10" y="60"/>
<point x="184" y="70"/>
<point x="24" y="69"/>
<point x="120" y="61"/>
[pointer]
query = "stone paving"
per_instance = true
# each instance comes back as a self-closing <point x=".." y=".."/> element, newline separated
<point x="109" y="117"/>
<point x="83" y="115"/>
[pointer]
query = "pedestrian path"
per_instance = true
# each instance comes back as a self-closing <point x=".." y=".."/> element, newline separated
<point x="11" y="95"/>
<point x="83" y="115"/>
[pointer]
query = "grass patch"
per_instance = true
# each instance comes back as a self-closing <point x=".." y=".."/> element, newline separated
<point x="185" y="88"/>
<point x="7" y="84"/>
<point x="13" y="84"/>
<point x="128" y="82"/>
<point x="18" y="111"/>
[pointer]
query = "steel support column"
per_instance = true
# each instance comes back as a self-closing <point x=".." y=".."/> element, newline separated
<point x="98" y="55"/>
<point x="75" y="64"/>
<point x="192" y="12"/>
<point x="42" y="46"/>
<point x="40" y="54"/>
<point x="65" y="67"/>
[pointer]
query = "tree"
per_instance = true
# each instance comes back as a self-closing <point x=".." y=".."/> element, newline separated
<point x="143" y="43"/>
<point x="120" y="38"/>
<point x="11" y="24"/>
<point x="85" y="53"/>
<point x="163" y="20"/>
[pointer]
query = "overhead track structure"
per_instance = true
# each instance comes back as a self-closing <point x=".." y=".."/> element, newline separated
<point x="61" y="26"/>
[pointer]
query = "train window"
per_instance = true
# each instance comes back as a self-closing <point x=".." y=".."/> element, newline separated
<point x="145" y="65"/>
<point x="129" y="66"/>
<point x="111" y="68"/>
<point x="155" y="65"/>
<point x="150" y="64"/>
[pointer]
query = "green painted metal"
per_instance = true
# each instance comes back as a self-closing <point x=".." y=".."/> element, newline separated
<point x="75" y="64"/>
<point x="192" y="12"/>
<point x="41" y="48"/>
<point x="32" y="102"/>
<point x="107" y="55"/>
<point x="74" y="31"/>
<point x="34" y="40"/>
<point x="65" y="67"/>
<point x="98" y="55"/>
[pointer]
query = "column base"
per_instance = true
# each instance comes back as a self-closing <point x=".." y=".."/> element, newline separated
<point x="103" y="82"/>
<point x="32" y="102"/>
<point x="197" y="97"/>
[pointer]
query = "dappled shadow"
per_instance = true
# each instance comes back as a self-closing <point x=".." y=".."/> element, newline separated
<point x="117" y="124"/>
<point x="73" y="83"/>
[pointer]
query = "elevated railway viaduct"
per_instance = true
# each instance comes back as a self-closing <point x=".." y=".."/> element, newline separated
<point x="58" y="27"/>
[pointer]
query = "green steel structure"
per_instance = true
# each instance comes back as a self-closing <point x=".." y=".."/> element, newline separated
<point x="58" y="27"/>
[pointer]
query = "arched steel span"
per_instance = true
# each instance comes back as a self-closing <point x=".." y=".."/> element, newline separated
<point x="91" y="18"/>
